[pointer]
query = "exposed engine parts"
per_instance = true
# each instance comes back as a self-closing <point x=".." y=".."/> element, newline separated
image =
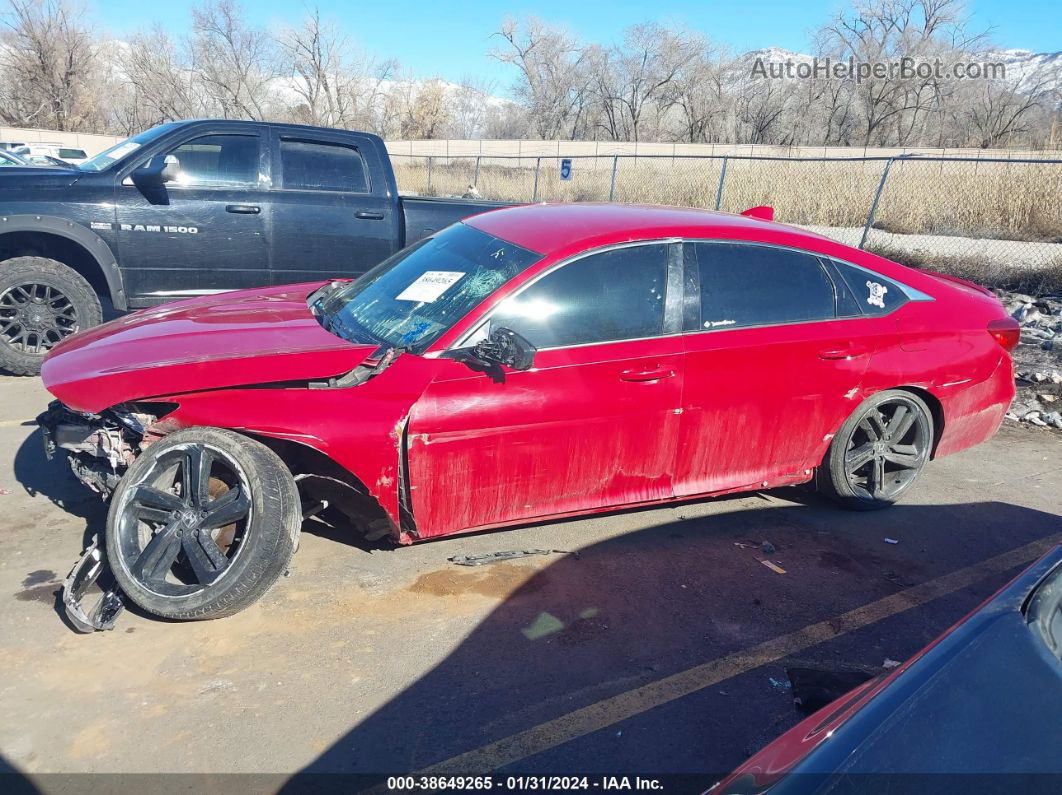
<point x="100" y="446"/>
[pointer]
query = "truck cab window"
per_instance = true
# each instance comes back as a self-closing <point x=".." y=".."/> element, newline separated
<point x="316" y="165"/>
<point x="218" y="160"/>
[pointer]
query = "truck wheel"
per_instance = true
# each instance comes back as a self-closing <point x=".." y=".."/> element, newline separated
<point x="41" y="303"/>
<point x="879" y="451"/>
<point x="202" y="524"/>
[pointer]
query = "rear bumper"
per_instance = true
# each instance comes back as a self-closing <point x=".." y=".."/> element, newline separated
<point x="974" y="412"/>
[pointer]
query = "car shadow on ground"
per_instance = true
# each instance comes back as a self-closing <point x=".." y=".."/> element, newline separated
<point x="637" y="608"/>
<point x="54" y="481"/>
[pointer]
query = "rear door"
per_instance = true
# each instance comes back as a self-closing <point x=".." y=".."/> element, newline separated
<point x="775" y="355"/>
<point x="333" y="214"/>
<point x="593" y="424"/>
<point x="204" y="233"/>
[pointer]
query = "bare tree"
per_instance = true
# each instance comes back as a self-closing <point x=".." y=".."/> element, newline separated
<point x="50" y="67"/>
<point x="995" y="112"/>
<point x="635" y="76"/>
<point x="556" y="81"/>
<point x="889" y="30"/>
<point x="235" y="62"/>
<point x="335" y="84"/>
<point x="159" y="83"/>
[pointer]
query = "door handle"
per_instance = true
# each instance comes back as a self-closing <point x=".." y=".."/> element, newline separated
<point x="369" y="215"/>
<point x="848" y="352"/>
<point x="243" y="209"/>
<point x="646" y="375"/>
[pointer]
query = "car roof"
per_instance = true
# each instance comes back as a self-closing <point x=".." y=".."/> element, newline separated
<point x="554" y="228"/>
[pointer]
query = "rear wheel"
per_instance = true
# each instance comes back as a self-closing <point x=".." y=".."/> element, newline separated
<point x="202" y="524"/>
<point x="42" y="302"/>
<point x="879" y="451"/>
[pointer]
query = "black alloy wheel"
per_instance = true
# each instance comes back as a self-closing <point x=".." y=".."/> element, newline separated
<point x="879" y="451"/>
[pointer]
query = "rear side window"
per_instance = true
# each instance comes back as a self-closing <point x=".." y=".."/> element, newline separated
<point x="218" y="160"/>
<point x="875" y="294"/>
<point x="613" y="295"/>
<point x="74" y="154"/>
<point x="748" y="285"/>
<point x="314" y="165"/>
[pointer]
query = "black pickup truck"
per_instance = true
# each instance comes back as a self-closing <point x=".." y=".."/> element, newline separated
<point x="196" y="207"/>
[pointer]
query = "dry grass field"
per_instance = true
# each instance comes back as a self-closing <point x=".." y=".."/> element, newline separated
<point x="1008" y="201"/>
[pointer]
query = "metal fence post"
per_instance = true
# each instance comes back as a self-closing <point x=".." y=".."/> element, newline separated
<point x="429" y="173"/>
<point x="538" y="165"/>
<point x="612" y="185"/>
<point x="475" y="180"/>
<point x="719" y="190"/>
<point x="874" y="204"/>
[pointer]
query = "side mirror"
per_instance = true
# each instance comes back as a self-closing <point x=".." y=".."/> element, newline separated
<point x="505" y="346"/>
<point x="157" y="172"/>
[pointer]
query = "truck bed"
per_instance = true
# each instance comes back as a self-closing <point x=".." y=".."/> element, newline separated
<point x="425" y="215"/>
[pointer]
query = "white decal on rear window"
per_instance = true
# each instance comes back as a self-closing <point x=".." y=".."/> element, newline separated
<point x="427" y="288"/>
<point x="877" y="294"/>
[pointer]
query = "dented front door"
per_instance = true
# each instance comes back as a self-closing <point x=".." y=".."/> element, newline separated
<point x="589" y="427"/>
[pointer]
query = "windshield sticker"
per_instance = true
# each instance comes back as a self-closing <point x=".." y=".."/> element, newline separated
<point x="877" y="294"/>
<point x="122" y="150"/>
<point x="427" y="288"/>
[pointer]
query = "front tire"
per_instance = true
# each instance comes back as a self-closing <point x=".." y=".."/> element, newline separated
<point x="42" y="302"/>
<point x="202" y="524"/>
<point x="879" y="452"/>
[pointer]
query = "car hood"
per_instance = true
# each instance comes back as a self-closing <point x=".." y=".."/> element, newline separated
<point x="240" y="338"/>
<point x="15" y="177"/>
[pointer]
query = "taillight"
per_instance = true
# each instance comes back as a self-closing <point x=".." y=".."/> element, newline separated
<point x="1006" y="332"/>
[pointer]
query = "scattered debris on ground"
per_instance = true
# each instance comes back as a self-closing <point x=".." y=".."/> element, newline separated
<point x="892" y="540"/>
<point x="1037" y="359"/>
<point x="508" y="554"/>
<point x="91" y="574"/>
<point x="772" y="566"/>
<point x="890" y="663"/>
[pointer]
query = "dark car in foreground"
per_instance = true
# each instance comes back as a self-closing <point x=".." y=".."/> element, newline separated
<point x="196" y="208"/>
<point x="978" y="710"/>
<point x="529" y="363"/>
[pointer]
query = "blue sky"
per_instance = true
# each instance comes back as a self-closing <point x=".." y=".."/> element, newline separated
<point x="451" y="39"/>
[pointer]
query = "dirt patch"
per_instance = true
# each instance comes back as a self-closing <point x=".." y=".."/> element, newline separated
<point x="496" y="581"/>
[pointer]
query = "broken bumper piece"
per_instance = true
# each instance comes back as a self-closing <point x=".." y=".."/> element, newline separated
<point x="79" y="584"/>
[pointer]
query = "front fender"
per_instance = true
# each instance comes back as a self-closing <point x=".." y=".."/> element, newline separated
<point x="95" y="245"/>
<point x="361" y="428"/>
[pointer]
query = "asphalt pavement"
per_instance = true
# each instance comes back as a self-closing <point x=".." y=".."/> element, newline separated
<point x="651" y="641"/>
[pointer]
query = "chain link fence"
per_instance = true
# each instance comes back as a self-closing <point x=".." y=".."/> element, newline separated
<point x="982" y="217"/>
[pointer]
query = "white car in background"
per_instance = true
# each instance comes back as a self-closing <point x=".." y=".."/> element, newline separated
<point x="37" y="153"/>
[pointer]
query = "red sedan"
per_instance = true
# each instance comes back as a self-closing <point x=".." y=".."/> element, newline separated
<point x="529" y="363"/>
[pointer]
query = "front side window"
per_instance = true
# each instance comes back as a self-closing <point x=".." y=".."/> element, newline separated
<point x="748" y="285"/>
<point x="411" y="299"/>
<point x="604" y="297"/>
<point x="218" y="160"/>
<point x="314" y="165"/>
